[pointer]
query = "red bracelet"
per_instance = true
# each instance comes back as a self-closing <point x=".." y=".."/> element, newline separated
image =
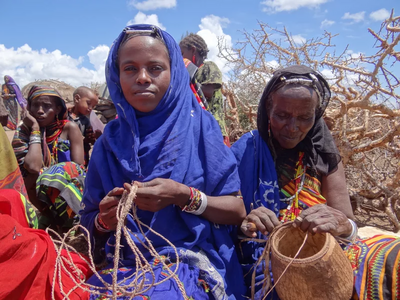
<point x="101" y="223"/>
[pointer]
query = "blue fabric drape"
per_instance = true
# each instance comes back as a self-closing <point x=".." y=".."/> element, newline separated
<point x="259" y="185"/>
<point x="177" y="140"/>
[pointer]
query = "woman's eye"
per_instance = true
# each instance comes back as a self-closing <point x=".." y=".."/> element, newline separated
<point x="157" y="68"/>
<point x="305" y="118"/>
<point x="129" y="68"/>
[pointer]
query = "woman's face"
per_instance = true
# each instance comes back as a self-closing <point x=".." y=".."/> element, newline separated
<point x="144" y="72"/>
<point x="292" y="114"/>
<point x="44" y="109"/>
<point x="209" y="90"/>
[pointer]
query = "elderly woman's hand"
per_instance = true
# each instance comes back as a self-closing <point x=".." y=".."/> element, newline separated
<point x="260" y="219"/>
<point x="322" y="218"/>
<point x="108" y="208"/>
<point x="159" y="193"/>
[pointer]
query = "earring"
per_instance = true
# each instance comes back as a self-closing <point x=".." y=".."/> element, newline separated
<point x="58" y="121"/>
<point x="269" y="128"/>
<point x="194" y="59"/>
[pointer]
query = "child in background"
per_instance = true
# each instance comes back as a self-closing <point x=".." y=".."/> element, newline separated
<point x="85" y="99"/>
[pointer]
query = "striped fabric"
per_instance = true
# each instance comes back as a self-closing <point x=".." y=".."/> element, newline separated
<point x="309" y="195"/>
<point x="60" y="188"/>
<point x="376" y="265"/>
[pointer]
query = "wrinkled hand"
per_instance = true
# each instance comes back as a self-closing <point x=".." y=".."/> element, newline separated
<point x="108" y="208"/>
<point x="29" y="120"/>
<point x="322" y="218"/>
<point x="159" y="193"/>
<point x="264" y="220"/>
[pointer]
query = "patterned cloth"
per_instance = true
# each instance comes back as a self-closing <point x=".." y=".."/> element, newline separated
<point x="177" y="140"/>
<point x="60" y="188"/>
<point x="376" y="265"/>
<point x="209" y="73"/>
<point x="11" y="178"/>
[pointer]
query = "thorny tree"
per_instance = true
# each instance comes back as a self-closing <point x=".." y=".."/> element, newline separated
<point x="363" y="115"/>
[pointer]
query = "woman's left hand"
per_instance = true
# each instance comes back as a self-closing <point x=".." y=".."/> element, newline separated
<point x="159" y="193"/>
<point x="322" y="218"/>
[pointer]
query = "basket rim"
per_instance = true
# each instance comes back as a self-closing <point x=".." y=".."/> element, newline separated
<point x="310" y="259"/>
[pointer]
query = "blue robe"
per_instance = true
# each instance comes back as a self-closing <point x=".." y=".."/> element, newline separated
<point x="177" y="140"/>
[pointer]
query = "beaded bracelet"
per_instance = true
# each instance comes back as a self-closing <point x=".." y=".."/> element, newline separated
<point x="203" y="205"/>
<point x="35" y="132"/>
<point x="197" y="202"/>
<point x="100" y="225"/>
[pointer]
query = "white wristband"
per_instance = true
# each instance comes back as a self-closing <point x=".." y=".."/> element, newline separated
<point x="203" y="205"/>
<point x="353" y="234"/>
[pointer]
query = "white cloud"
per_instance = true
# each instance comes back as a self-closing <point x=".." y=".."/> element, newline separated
<point x="380" y="15"/>
<point x="356" y="17"/>
<point x="142" y="18"/>
<point x="287" y="5"/>
<point x="326" y="23"/>
<point x="26" y="65"/>
<point x="211" y="29"/>
<point x="298" y="39"/>
<point x="152" y="4"/>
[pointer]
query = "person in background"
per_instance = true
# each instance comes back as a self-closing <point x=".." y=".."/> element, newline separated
<point x="210" y="78"/>
<point x="194" y="51"/>
<point x="85" y="99"/>
<point x="49" y="151"/>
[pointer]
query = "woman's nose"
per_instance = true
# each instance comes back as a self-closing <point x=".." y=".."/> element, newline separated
<point x="292" y="124"/>
<point x="143" y="76"/>
<point x="40" y="110"/>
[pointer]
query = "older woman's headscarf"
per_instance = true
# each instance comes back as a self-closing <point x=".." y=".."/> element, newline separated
<point x="322" y="153"/>
<point x="49" y="134"/>
<point x="39" y="90"/>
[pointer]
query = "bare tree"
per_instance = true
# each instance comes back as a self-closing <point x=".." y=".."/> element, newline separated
<point x="363" y="115"/>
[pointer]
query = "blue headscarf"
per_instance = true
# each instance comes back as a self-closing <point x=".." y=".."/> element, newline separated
<point x="177" y="140"/>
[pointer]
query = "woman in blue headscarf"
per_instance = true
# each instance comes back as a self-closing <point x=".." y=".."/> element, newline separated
<point x="173" y="150"/>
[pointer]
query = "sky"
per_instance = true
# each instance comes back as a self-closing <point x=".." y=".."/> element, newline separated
<point x="70" y="40"/>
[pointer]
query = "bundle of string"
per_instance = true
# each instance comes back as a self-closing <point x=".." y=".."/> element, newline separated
<point x="264" y="259"/>
<point x="140" y="284"/>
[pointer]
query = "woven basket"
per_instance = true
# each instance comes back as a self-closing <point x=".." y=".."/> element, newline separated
<point x="320" y="271"/>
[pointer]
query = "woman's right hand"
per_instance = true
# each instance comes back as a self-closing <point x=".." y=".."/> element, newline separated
<point x="108" y="208"/>
<point x="29" y="120"/>
<point x="260" y="219"/>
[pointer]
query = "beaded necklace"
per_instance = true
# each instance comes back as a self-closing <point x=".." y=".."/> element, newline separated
<point x="56" y="128"/>
<point x="293" y="210"/>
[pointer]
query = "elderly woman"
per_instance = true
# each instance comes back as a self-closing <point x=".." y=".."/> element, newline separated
<point x="49" y="150"/>
<point x="290" y="169"/>
<point x="173" y="150"/>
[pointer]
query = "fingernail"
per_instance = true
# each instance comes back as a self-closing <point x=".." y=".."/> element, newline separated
<point x="294" y="225"/>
